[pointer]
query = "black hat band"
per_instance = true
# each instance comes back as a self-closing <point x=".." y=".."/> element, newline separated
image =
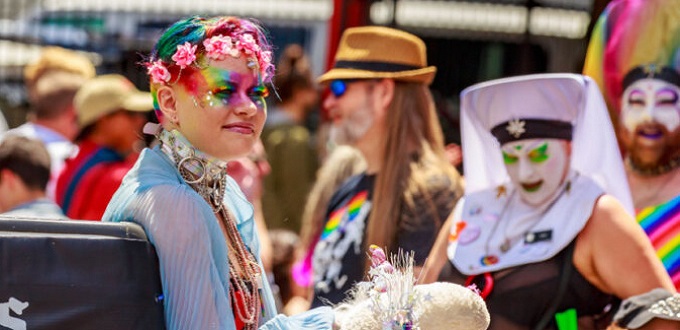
<point x="374" y="66"/>
<point x="521" y="129"/>
<point x="651" y="71"/>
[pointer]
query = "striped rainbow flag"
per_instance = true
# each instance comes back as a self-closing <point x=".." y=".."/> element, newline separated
<point x="351" y="209"/>
<point x="662" y="225"/>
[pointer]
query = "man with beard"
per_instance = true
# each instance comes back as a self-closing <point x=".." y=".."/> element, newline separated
<point x="650" y="116"/>
<point x="634" y="57"/>
<point x="380" y="103"/>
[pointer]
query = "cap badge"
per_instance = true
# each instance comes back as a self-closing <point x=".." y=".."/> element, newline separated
<point x="516" y="128"/>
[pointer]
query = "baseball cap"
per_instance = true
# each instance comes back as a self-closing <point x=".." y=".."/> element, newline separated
<point x="636" y="311"/>
<point x="106" y="94"/>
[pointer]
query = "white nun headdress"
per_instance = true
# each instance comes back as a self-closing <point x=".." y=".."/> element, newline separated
<point x="568" y="106"/>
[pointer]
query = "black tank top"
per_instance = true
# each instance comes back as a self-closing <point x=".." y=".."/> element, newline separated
<point x="521" y="295"/>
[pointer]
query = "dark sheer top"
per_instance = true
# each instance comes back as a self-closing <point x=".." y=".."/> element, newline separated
<point x="522" y="295"/>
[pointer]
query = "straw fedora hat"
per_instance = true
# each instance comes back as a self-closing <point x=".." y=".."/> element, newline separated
<point x="379" y="52"/>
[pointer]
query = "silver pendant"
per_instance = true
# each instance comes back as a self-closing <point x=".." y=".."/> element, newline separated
<point x="505" y="246"/>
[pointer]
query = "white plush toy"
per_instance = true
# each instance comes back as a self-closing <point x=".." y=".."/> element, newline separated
<point x="391" y="301"/>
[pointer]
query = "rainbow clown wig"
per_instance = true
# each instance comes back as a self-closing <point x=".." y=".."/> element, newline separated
<point x="187" y="45"/>
<point x="629" y="34"/>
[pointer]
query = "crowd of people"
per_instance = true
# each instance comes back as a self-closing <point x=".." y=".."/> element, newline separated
<point x="571" y="180"/>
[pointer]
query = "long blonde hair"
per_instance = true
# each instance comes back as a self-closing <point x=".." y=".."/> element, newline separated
<point x="413" y="151"/>
<point x="343" y="162"/>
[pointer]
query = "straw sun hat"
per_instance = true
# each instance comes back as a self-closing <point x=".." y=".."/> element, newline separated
<point x="380" y="52"/>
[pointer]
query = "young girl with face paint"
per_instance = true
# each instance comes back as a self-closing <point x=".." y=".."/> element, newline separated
<point x="208" y="79"/>
<point x="545" y="228"/>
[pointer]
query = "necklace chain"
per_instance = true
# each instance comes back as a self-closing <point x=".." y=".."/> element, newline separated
<point x="495" y="225"/>
<point x="208" y="177"/>
<point x="507" y="241"/>
<point x="247" y="286"/>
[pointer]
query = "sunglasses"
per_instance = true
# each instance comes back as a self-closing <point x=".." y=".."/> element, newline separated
<point x="339" y="87"/>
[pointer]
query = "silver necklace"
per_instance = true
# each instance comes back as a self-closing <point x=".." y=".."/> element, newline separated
<point x="208" y="177"/>
<point x="504" y="248"/>
<point x="507" y="243"/>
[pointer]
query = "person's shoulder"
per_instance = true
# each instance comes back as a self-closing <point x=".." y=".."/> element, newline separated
<point x="150" y="172"/>
<point x="608" y="208"/>
<point x="608" y="216"/>
<point x="351" y="186"/>
<point x="439" y="180"/>
<point x="26" y="129"/>
<point x="359" y="181"/>
<point x="299" y="133"/>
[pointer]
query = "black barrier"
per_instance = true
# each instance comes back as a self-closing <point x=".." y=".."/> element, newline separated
<point x="77" y="275"/>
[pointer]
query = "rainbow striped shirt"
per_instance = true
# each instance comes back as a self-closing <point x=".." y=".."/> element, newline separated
<point x="662" y="225"/>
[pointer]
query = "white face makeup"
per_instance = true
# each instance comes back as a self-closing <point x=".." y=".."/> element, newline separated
<point x="650" y="101"/>
<point x="536" y="167"/>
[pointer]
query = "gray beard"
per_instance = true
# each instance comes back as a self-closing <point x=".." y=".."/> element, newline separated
<point x="352" y="129"/>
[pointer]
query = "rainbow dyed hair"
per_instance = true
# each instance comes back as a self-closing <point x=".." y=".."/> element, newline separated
<point x="185" y="46"/>
<point x="630" y="34"/>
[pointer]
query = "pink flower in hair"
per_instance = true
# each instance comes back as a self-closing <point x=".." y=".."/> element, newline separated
<point x="185" y="55"/>
<point x="265" y="61"/>
<point x="219" y="46"/>
<point x="248" y="45"/>
<point x="265" y="58"/>
<point x="158" y="72"/>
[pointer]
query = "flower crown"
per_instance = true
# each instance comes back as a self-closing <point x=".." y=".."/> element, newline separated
<point x="216" y="48"/>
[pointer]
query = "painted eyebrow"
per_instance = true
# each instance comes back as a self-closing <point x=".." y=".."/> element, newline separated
<point x="636" y="93"/>
<point x="541" y="145"/>
<point x="667" y="90"/>
<point x="531" y="147"/>
<point x="509" y="150"/>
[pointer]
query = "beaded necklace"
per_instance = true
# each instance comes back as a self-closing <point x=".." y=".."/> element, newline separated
<point x="208" y="177"/>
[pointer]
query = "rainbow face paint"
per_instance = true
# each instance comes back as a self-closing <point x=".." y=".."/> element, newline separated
<point x="226" y="88"/>
<point x="536" y="167"/>
<point x="648" y="103"/>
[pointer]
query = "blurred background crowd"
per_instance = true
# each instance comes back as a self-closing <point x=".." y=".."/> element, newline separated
<point x="50" y="49"/>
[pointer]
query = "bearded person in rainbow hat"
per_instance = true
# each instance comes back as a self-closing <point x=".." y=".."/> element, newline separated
<point x="633" y="56"/>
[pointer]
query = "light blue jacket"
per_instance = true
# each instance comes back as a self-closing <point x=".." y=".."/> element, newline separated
<point x="191" y="248"/>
